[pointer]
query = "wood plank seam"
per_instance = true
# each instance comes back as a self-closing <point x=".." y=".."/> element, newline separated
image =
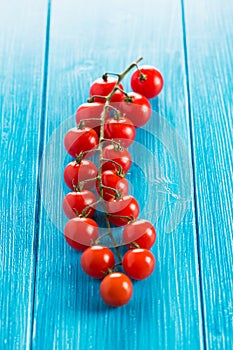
<point x="193" y="172"/>
<point x="44" y="89"/>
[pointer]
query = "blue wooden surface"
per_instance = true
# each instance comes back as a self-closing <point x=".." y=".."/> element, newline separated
<point x="50" y="52"/>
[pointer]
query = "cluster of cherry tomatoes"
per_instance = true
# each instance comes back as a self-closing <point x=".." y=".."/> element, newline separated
<point x="106" y="125"/>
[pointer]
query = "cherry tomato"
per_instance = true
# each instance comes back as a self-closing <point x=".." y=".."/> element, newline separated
<point x="88" y="111"/>
<point x="119" y="155"/>
<point x="103" y="88"/>
<point x="97" y="260"/>
<point x="121" y="130"/>
<point x="116" y="289"/>
<point x="76" y="172"/>
<point x="75" y="202"/>
<point x="141" y="232"/>
<point x="138" y="263"/>
<point x="81" y="232"/>
<point x="124" y="209"/>
<point x="111" y="179"/>
<point x="79" y="140"/>
<point x="147" y="81"/>
<point x="137" y="108"/>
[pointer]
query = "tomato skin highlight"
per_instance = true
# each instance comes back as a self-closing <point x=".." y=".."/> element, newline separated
<point x="75" y="202"/>
<point x="121" y="130"/>
<point x="76" y="172"/>
<point x="116" y="289"/>
<point x="79" y="140"/>
<point x="103" y="88"/>
<point x="97" y="260"/>
<point x="125" y="206"/>
<point x="81" y="232"/>
<point x="138" y="109"/>
<point x="141" y="232"/>
<point x="153" y="83"/>
<point x="138" y="263"/>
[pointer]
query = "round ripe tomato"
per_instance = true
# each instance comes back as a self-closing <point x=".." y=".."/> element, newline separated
<point x="111" y="179"/>
<point x="89" y="111"/>
<point x="103" y="88"/>
<point x="119" y="155"/>
<point x="125" y="206"/>
<point x="81" y="232"/>
<point x="97" y="260"/>
<point x="147" y="81"/>
<point x="137" y="108"/>
<point x="121" y="130"/>
<point x="116" y="289"/>
<point x="75" y="202"/>
<point x="138" y="263"/>
<point x="79" y="140"/>
<point x="75" y="172"/>
<point x="141" y="232"/>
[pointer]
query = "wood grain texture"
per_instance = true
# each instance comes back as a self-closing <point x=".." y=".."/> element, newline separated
<point x="22" y="33"/>
<point x="165" y="312"/>
<point x="209" y="32"/>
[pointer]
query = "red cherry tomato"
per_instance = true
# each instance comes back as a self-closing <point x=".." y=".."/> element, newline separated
<point x="137" y="108"/>
<point x="103" y="88"/>
<point x="81" y="232"/>
<point x="141" y="232"/>
<point x="75" y="202"/>
<point x="111" y="179"/>
<point x="88" y="111"/>
<point x="97" y="260"/>
<point x="121" y="130"/>
<point x="76" y="172"/>
<point x="138" y="263"/>
<point x="147" y="81"/>
<point x="79" y="140"/>
<point x="116" y="289"/>
<point x="122" y="210"/>
<point x="119" y="155"/>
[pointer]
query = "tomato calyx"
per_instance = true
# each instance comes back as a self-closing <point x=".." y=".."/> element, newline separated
<point x="134" y="245"/>
<point x="128" y="99"/>
<point x="105" y="75"/>
<point x="142" y="76"/>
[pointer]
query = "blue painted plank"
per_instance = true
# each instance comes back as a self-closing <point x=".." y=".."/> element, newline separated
<point x="22" y="34"/>
<point x="210" y="66"/>
<point x="165" y="312"/>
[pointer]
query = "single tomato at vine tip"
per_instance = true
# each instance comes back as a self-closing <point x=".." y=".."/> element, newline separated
<point x="147" y="81"/>
<point x="116" y="289"/>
